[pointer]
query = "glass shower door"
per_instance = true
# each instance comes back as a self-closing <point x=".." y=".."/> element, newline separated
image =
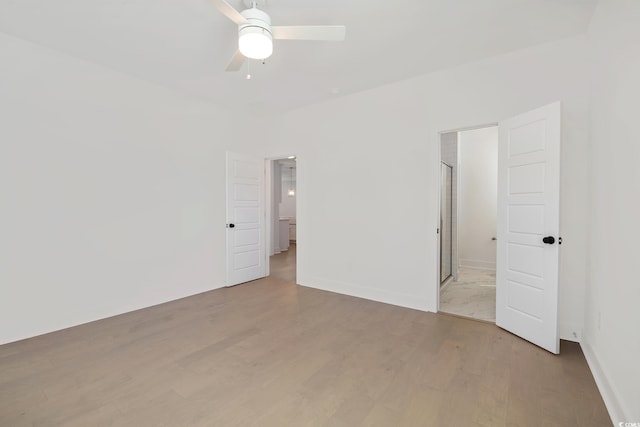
<point x="446" y="200"/>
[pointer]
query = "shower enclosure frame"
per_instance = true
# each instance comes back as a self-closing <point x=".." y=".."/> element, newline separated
<point x="446" y="222"/>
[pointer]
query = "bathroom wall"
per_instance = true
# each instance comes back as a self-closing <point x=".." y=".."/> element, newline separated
<point x="477" y="204"/>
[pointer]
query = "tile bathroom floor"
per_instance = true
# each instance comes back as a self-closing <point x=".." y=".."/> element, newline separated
<point x="473" y="295"/>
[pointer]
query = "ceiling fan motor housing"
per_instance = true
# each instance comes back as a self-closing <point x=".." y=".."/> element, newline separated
<point x="254" y="38"/>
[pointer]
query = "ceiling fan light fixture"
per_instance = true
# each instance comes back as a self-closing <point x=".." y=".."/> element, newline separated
<point x="255" y="33"/>
<point x="255" y="42"/>
<point x="254" y="38"/>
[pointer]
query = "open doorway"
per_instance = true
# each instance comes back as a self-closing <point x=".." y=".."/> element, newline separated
<point x="283" y="219"/>
<point x="468" y="219"/>
<point x="527" y="245"/>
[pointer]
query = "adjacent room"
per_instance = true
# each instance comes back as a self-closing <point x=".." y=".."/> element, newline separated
<point x="271" y="212"/>
<point x="468" y="204"/>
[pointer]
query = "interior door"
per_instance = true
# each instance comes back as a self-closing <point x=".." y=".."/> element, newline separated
<point x="528" y="226"/>
<point x="246" y="255"/>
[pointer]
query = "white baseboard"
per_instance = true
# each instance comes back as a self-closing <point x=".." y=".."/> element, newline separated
<point x="475" y="263"/>
<point x="605" y="387"/>
<point x="402" y="300"/>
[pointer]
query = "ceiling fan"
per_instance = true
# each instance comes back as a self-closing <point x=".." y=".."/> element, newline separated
<point x="256" y="34"/>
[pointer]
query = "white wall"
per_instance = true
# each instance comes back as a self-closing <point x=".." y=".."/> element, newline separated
<point x="112" y="192"/>
<point x="288" y="203"/>
<point x="612" y="320"/>
<point x="276" y="195"/>
<point x="114" y="186"/>
<point x="478" y="197"/>
<point x="384" y="144"/>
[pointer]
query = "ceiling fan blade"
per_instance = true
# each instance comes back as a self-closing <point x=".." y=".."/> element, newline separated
<point x="236" y="62"/>
<point x="309" y="32"/>
<point x="227" y="10"/>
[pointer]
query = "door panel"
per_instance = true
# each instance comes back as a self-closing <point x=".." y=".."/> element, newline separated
<point x="246" y="258"/>
<point x="528" y="210"/>
<point x="526" y="179"/>
<point x="526" y="219"/>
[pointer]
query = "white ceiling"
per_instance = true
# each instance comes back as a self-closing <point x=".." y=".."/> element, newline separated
<point x="186" y="44"/>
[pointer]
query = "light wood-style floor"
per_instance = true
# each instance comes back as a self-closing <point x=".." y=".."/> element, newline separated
<point x="270" y="353"/>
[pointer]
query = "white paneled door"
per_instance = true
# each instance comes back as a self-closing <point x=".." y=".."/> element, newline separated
<point x="528" y="226"/>
<point x="246" y="259"/>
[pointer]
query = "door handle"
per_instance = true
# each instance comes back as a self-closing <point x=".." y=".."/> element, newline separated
<point x="549" y="240"/>
<point x="231" y="225"/>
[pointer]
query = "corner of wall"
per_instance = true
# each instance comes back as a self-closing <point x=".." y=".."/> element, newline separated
<point x="606" y="388"/>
